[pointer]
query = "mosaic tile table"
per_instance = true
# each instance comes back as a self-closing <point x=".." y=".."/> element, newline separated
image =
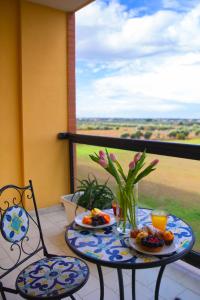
<point x="106" y="247"/>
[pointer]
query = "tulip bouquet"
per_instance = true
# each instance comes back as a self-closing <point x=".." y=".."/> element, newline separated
<point x="126" y="182"/>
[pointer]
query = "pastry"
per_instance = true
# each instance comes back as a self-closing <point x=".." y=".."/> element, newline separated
<point x="141" y="235"/>
<point x="134" y="233"/>
<point x="168" y="237"/>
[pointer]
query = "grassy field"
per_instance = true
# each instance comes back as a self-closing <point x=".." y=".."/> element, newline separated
<point x="174" y="186"/>
<point x="194" y="141"/>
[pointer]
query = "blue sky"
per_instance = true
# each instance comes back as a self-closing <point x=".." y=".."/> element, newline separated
<point x="138" y="58"/>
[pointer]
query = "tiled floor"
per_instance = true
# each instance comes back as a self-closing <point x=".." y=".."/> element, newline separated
<point x="179" y="280"/>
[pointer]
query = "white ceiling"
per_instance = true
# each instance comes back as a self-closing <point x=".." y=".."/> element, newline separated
<point x="66" y="5"/>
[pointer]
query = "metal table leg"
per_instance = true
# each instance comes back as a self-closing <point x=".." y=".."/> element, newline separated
<point x="101" y="282"/>
<point x="2" y="292"/>
<point x="158" y="282"/>
<point x="133" y="284"/>
<point x="121" y="284"/>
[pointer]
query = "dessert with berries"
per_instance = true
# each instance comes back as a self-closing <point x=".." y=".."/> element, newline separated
<point x="152" y="243"/>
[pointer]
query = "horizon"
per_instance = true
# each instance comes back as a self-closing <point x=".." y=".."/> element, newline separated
<point x="138" y="58"/>
<point x="140" y="118"/>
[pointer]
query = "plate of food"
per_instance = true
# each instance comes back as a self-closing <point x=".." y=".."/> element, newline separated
<point x="152" y="242"/>
<point x="95" y="218"/>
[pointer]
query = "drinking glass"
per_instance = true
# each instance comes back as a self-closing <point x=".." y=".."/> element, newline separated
<point x="159" y="219"/>
<point x="114" y="207"/>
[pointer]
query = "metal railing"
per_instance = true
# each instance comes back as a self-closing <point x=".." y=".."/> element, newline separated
<point x="187" y="151"/>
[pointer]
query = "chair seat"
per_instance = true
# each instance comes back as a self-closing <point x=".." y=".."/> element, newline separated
<point x="52" y="277"/>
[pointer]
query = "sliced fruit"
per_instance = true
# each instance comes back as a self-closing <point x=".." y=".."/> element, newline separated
<point x="87" y="220"/>
<point x="96" y="211"/>
<point x="106" y="218"/>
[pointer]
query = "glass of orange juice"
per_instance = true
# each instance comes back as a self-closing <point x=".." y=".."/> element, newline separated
<point x="159" y="219"/>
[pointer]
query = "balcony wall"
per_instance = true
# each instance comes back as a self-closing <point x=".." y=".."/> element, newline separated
<point x="34" y="98"/>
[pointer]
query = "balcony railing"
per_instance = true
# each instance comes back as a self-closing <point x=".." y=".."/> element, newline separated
<point x="179" y="150"/>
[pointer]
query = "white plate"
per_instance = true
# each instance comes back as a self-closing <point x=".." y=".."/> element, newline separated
<point x="78" y="219"/>
<point x="166" y="250"/>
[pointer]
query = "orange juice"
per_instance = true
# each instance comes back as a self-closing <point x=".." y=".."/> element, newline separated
<point x="159" y="220"/>
<point x="114" y="206"/>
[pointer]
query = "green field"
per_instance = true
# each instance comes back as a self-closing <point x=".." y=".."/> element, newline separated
<point x="194" y="141"/>
<point x="174" y="186"/>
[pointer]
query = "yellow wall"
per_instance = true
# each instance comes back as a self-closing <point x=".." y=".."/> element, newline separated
<point x="39" y="98"/>
<point x="10" y="135"/>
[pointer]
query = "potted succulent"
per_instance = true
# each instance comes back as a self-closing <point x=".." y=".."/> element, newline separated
<point x="93" y="194"/>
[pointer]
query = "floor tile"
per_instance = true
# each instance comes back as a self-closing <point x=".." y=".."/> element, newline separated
<point x="174" y="272"/>
<point x="147" y="277"/>
<point x="169" y="288"/>
<point x="10" y="296"/>
<point x="94" y="271"/>
<point x="191" y="281"/>
<point x="77" y="297"/>
<point x="108" y="295"/>
<point x="91" y="286"/>
<point x="111" y="280"/>
<point x="57" y="217"/>
<point x="189" y="295"/>
<point x="9" y="280"/>
<point x="142" y="292"/>
<point x="3" y="253"/>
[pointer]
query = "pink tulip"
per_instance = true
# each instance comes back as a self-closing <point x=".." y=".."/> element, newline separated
<point x="113" y="157"/>
<point x="102" y="154"/>
<point x="137" y="157"/>
<point x="154" y="162"/>
<point x="103" y="163"/>
<point x="132" y="165"/>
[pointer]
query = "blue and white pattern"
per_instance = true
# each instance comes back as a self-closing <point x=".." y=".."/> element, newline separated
<point x="51" y="277"/>
<point x="109" y="246"/>
<point x="15" y="224"/>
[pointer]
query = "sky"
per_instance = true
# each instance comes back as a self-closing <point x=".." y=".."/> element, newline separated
<point x="138" y="59"/>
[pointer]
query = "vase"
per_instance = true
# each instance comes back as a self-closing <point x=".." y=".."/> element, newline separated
<point x="127" y="208"/>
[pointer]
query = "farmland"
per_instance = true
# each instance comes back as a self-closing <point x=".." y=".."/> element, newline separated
<point x="158" y="129"/>
<point x="174" y="186"/>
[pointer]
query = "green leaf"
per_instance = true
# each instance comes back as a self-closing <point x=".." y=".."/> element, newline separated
<point x="144" y="173"/>
<point x="121" y="170"/>
<point x="95" y="194"/>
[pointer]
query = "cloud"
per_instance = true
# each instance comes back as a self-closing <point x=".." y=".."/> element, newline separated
<point x="179" y="5"/>
<point x="147" y="63"/>
<point x="171" y="4"/>
<point x="109" y="32"/>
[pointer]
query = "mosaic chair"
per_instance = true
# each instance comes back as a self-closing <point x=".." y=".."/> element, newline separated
<point x="51" y="277"/>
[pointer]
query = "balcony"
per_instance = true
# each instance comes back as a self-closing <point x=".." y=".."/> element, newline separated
<point x="38" y="102"/>
<point x="180" y="278"/>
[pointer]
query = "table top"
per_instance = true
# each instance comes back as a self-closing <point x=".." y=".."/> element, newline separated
<point x="108" y="248"/>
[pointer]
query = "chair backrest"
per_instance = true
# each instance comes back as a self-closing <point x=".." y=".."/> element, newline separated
<point x="20" y="231"/>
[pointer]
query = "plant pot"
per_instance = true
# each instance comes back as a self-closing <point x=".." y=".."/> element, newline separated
<point x="69" y="201"/>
